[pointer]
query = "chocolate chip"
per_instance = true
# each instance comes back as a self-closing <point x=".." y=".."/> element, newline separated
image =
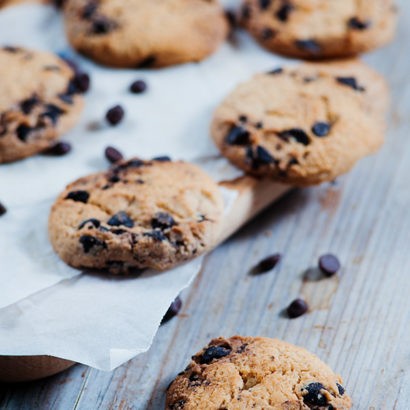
<point x="3" y="209"/>
<point x="178" y="405"/>
<point x="231" y="17"/>
<point x="238" y="135"/>
<point x="267" y="33"/>
<point x="162" y="220"/>
<point x="28" y="105"/>
<point x="147" y="62"/>
<point x="115" y="115"/>
<point x="157" y="235"/>
<point x="357" y="24"/>
<point x="82" y="82"/>
<point x="11" y="49"/>
<point x="341" y="389"/>
<point x="259" y="125"/>
<point x="214" y="353"/>
<point x="59" y="149"/>
<point x="121" y="218"/>
<point x="264" y="4"/>
<point x="245" y="12"/>
<point x="283" y="13"/>
<point x="297" y="308"/>
<point x="22" y="132"/>
<point x="163" y="158"/>
<point x="329" y="264"/>
<point x="138" y="87"/>
<point x="310" y="46"/>
<point x="66" y="98"/>
<point x="94" y="222"/>
<point x="350" y="82"/>
<point x="59" y="3"/>
<point x="263" y="157"/>
<point x="243" y="118"/>
<point x="296" y="134"/>
<point x="78" y="196"/>
<point x="321" y="129"/>
<point x="113" y="155"/>
<point x="276" y="71"/>
<point x="173" y="310"/>
<point x="312" y="395"/>
<point x="90" y="242"/>
<point x="53" y="113"/>
<point x="89" y="10"/>
<point x="102" y="25"/>
<point x="267" y="264"/>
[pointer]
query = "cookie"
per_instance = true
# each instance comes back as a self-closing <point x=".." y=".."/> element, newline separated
<point x="303" y="125"/>
<point x="39" y="101"/>
<point x="139" y="214"/>
<point x="145" y="33"/>
<point x="320" y="28"/>
<point x="256" y="373"/>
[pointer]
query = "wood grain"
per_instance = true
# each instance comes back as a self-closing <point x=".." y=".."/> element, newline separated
<point x="359" y="323"/>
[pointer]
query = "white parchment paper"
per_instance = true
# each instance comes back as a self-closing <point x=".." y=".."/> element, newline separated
<point x="45" y="306"/>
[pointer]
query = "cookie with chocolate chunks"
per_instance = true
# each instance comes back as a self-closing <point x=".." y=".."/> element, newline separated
<point x="145" y="33"/>
<point x="39" y="101"/>
<point x="315" y="29"/>
<point x="256" y="373"/>
<point x="139" y="214"/>
<point x="303" y="125"/>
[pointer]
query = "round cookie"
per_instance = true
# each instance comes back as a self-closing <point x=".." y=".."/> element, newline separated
<point x="303" y="125"/>
<point x="140" y="214"/>
<point x="256" y="373"/>
<point x="145" y="33"/>
<point x="320" y="28"/>
<point x="39" y="101"/>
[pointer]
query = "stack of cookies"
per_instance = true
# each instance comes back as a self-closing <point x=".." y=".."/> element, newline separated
<point x="299" y="125"/>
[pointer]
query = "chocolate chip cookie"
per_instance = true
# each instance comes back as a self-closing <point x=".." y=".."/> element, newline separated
<point x="256" y="373"/>
<point x="39" y="101"/>
<point x="140" y="214"/>
<point x="320" y="28"/>
<point x="303" y="125"/>
<point x="145" y="33"/>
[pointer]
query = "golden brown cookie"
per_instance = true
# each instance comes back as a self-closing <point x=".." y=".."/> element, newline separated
<point x="320" y="28"/>
<point x="139" y="214"/>
<point x="39" y="100"/>
<point x="145" y="33"/>
<point x="303" y="125"/>
<point x="256" y="373"/>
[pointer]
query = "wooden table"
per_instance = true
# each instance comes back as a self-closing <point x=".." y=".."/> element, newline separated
<point x="359" y="323"/>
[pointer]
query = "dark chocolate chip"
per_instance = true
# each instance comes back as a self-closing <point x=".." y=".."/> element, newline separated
<point x="115" y="115"/>
<point x="89" y="10"/>
<point x="243" y="118"/>
<point x="157" y="235"/>
<point x="321" y="129"/>
<point x="275" y="71"/>
<point x="121" y="218"/>
<point x="259" y="125"/>
<point x="350" y="82"/>
<point x="113" y="155"/>
<point x="90" y="242"/>
<point x="178" y="405"/>
<point x="283" y="13"/>
<point x="267" y="33"/>
<point x="162" y="220"/>
<point x="173" y="310"/>
<point x="52" y="112"/>
<point x="147" y="62"/>
<point x="81" y="82"/>
<point x="66" y="98"/>
<point x="138" y="87"/>
<point x="310" y="46"/>
<point x="231" y="17"/>
<point x="3" y="209"/>
<point x="118" y="231"/>
<point x="329" y="264"/>
<point x="78" y="196"/>
<point x="238" y="135"/>
<point x="94" y="222"/>
<point x="28" y="105"/>
<point x="264" y="4"/>
<point x="246" y="12"/>
<point x="341" y="389"/>
<point x="22" y="132"/>
<point x="263" y="157"/>
<point x="214" y="353"/>
<point x="357" y="24"/>
<point x="11" y="49"/>
<point x="295" y="133"/>
<point x="312" y="395"/>
<point x="267" y="264"/>
<point x="58" y="149"/>
<point x="102" y="25"/>
<point x="59" y="3"/>
<point x="163" y="158"/>
<point x="297" y="308"/>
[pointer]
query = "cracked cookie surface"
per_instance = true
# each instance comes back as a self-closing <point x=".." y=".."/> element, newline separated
<point x="39" y="101"/>
<point x="140" y="214"/>
<point x="320" y="28"/>
<point x="303" y="125"/>
<point x="256" y="373"/>
<point x="145" y="33"/>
